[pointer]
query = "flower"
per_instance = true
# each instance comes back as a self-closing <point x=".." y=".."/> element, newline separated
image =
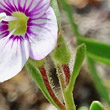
<point x="28" y="28"/>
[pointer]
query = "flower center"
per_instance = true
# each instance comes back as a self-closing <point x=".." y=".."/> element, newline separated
<point x="20" y="24"/>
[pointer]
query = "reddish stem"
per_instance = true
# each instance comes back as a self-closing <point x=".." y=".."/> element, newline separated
<point x="47" y="84"/>
<point x="67" y="73"/>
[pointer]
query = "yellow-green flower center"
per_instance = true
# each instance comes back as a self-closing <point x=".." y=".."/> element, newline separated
<point x="20" y="24"/>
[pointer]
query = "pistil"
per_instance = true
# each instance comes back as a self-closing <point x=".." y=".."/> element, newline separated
<point x="20" y="24"/>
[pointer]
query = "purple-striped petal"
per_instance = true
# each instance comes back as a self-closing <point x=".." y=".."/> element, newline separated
<point x="13" y="55"/>
<point x="45" y="40"/>
<point x="29" y="7"/>
<point x="37" y="41"/>
<point x="39" y="9"/>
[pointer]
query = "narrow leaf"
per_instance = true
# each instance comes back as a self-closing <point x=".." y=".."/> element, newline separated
<point x="97" y="50"/>
<point x="80" y="55"/>
<point x="98" y="82"/>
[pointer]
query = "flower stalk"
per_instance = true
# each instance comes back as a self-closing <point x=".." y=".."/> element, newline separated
<point x="67" y="95"/>
<point x="61" y="77"/>
<point x="69" y="101"/>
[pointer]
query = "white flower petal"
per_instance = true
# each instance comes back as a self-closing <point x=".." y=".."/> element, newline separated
<point x="44" y="36"/>
<point x="13" y="55"/>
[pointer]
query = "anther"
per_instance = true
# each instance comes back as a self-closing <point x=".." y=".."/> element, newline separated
<point x="2" y="16"/>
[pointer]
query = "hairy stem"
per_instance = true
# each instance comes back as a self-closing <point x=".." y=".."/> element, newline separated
<point x="66" y="72"/>
<point x="47" y="84"/>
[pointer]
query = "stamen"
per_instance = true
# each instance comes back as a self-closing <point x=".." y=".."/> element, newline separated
<point x="4" y="17"/>
<point x="10" y="18"/>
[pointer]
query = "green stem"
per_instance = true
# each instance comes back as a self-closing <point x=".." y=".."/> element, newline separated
<point x="55" y="7"/>
<point x="69" y="101"/>
<point x="67" y="95"/>
<point x="61" y="77"/>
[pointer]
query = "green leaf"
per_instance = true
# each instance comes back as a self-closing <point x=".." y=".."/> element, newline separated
<point x="36" y="75"/>
<point x="98" y="82"/>
<point x="80" y="55"/>
<point x="97" y="50"/>
<point x="61" y="55"/>
<point x="96" y="105"/>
